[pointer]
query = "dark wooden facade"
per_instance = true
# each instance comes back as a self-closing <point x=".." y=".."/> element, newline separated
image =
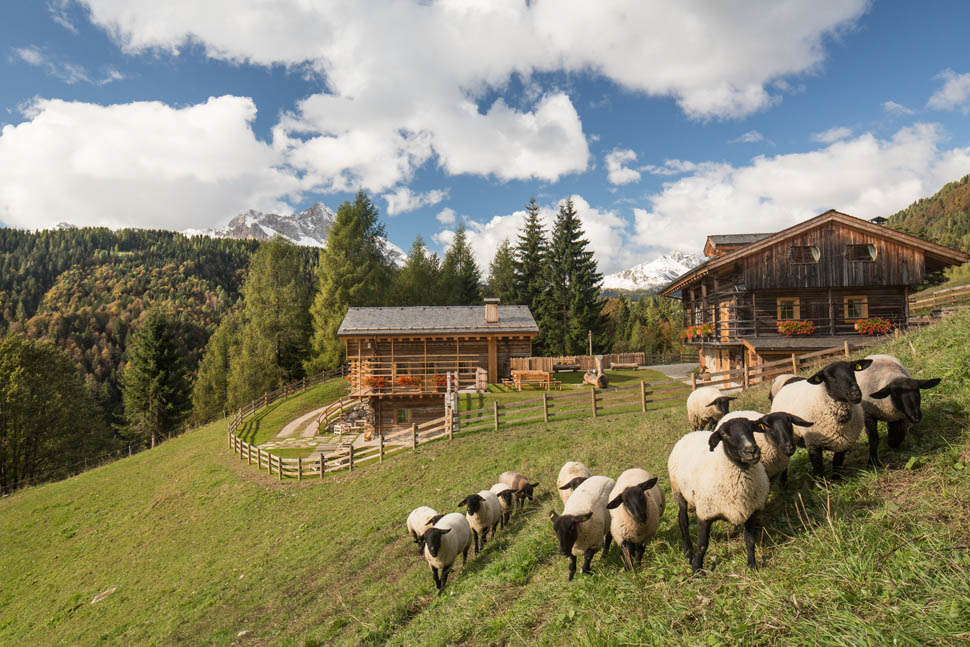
<point x="832" y="270"/>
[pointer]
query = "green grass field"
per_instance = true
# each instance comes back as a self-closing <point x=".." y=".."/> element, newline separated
<point x="270" y="420"/>
<point x="205" y="550"/>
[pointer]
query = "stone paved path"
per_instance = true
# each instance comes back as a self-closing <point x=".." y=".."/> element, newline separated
<point x="304" y="426"/>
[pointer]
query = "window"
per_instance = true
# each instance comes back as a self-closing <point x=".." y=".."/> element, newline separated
<point x="402" y="368"/>
<point x="856" y="307"/>
<point x="803" y="254"/>
<point x="402" y="416"/>
<point x="860" y="253"/>
<point x="788" y="308"/>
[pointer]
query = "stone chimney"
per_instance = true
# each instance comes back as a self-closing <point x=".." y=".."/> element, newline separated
<point x="491" y="311"/>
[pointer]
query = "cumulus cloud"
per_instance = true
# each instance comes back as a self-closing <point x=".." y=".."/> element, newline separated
<point x="617" y="171"/>
<point x="403" y="199"/>
<point x="749" y="137"/>
<point x="955" y="93"/>
<point x="896" y="109"/>
<point x="832" y="134"/>
<point x="447" y="216"/>
<point x="142" y="164"/>
<point x="671" y="167"/>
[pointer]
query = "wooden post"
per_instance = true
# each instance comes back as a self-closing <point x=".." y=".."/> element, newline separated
<point x="351" y="458"/>
<point x="693" y="381"/>
<point x="745" y="379"/>
<point x="299" y="468"/>
<point x="380" y="448"/>
<point x="323" y="462"/>
<point x="495" y="413"/>
<point x="279" y="466"/>
<point x="545" y="407"/>
<point x="794" y="363"/>
<point x="249" y="455"/>
<point x="643" y="397"/>
<point x="846" y="342"/>
<point x="414" y="435"/>
<point x="592" y="399"/>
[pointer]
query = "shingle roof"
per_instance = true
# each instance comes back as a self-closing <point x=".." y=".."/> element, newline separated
<point x="435" y="319"/>
<point x="736" y="239"/>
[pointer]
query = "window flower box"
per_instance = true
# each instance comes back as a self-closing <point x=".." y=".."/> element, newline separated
<point x="408" y="380"/>
<point x="796" y="328"/>
<point x="873" y="326"/>
<point x="376" y="382"/>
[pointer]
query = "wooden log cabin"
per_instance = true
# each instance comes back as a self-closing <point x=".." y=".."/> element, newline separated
<point x="832" y="270"/>
<point x="405" y="360"/>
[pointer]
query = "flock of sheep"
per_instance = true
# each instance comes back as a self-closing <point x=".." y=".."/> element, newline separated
<point x="722" y="471"/>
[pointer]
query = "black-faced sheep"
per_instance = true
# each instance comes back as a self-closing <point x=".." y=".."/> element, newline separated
<point x="570" y="476"/>
<point x="779" y="382"/>
<point x="831" y="400"/>
<point x="636" y="505"/>
<point x="449" y="537"/>
<point x="891" y="395"/>
<point x="419" y="521"/>
<point x="705" y="406"/>
<point x="777" y="444"/>
<point x="584" y="526"/>
<point x="522" y="487"/>
<point x="719" y="475"/>
<point x="484" y="513"/>
<point x="506" y="499"/>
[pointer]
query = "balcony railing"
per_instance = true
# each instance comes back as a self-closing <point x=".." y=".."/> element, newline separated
<point x="413" y="374"/>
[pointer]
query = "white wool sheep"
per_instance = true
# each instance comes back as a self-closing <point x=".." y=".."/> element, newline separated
<point x="636" y="505"/>
<point x="505" y="500"/>
<point x="779" y="382"/>
<point x="777" y="444"/>
<point x="523" y="488"/>
<point x="483" y="512"/>
<point x="571" y="475"/>
<point x="831" y="400"/>
<point x="449" y="537"/>
<point x="719" y="475"/>
<point x="419" y="521"/>
<point x="705" y="406"/>
<point x="584" y="526"/>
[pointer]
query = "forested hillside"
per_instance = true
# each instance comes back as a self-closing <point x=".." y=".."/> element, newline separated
<point x="943" y="218"/>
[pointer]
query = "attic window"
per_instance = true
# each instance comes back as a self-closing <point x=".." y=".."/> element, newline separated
<point x="860" y="253"/>
<point x="803" y="254"/>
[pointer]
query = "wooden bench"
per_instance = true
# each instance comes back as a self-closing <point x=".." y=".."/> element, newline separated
<point x="632" y="366"/>
<point x="540" y="378"/>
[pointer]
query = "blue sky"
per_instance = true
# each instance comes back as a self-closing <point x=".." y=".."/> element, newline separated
<point x="664" y="122"/>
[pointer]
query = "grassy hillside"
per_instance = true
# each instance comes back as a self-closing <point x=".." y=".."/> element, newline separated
<point x="205" y="550"/>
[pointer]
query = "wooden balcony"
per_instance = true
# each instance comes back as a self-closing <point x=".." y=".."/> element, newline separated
<point x="413" y="374"/>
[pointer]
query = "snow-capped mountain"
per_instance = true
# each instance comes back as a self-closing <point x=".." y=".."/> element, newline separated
<point x="653" y="275"/>
<point x="308" y="228"/>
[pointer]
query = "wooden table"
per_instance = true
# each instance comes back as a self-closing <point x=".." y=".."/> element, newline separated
<point x="541" y="378"/>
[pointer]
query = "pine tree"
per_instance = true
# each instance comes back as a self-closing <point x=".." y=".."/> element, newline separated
<point x="570" y="307"/>
<point x="353" y="271"/>
<point x="460" y="278"/>
<point x="529" y="254"/>
<point x="501" y="279"/>
<point x="155" y="391"/>
<point x="417" y="283"/>
<point x="211" y="388"/>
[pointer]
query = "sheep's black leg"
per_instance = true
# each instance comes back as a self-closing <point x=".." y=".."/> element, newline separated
<point x="464" y="557"/>
<point x="606" y="543"/>
<point x="484" y="536"/>
<point x="872" y="431"/>
<point x="434" y="576"/>
<point x="815" y="455"/>
<point x="475" y="536"/>
<point x="897" y="432"/>
<point x="749" y="527"/>
<point x="684" y="523"/>
<point x="784" y="478"/>
<point x="572" y="567"/>
<point x="837" y="459"/>
<point x="703" y="538"/>
<point x="588" y="559"/>
<point x="444" y="578"/>
<point x="639" y="556"/>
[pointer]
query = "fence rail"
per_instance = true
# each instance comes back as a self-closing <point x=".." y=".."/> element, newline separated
<point x="588" y="362"/>
<point x="947" y="296"/>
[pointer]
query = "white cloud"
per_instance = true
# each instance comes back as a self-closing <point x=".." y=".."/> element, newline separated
<point x="142" y="164"/>
<point x="832" y="134"/>
<point x="403" y="199"/>
<point x="671" y="167"/>
<point x="617" y="171"/>
<point x="70" y="73"/>
<point x="58" y="10"/>
<point x="955" y="93"/>
<point x="863" y="176"/>
<point x="896" y="109"/>
<point x="447" y="216"/>
<point x="405" y="79"/>
<point x="749" y="137"/>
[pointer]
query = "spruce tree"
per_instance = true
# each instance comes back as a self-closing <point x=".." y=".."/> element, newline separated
<point x="154" y="388"/>
<point x="353" y="271"/>
<point x="501" y="279"/>
<point x="460" y="278"/>
<point x="417" y="283"/>
<point x="529" y="254"/>
<point x="570" y="306"/>
<point x="211" y="388"/>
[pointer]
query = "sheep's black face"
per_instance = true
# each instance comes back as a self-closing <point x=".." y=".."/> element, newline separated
<point x="506" y="496"/>
<point x="528" y="490"/>
<point x="839" y="380"/>
<point x="724" y="404"/>
<point x="432" y="539"/>
<point x="567" y="529"/>
<point x="634" y="499"/>
<point x="473" y="503"/>
<point x="905" y="396"/>
<point x="779" y="430"/>
<point x="738" y="438"/>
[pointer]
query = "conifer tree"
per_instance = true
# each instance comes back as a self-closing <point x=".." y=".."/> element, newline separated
<point x="529" y="253"/>
<point x="461" y="279"/>
<point x="353" y="271"/>
<point x="501" y="279"/>
<point x="570" y="306"/>
<point x="153" y="386"/>
<point x="211" y="388"/>
<point x="417" y="283"/>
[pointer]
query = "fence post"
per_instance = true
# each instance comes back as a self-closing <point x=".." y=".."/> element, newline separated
<point x="693" y="381"/>
<point x="592" y="399"/>
<point x="380" y="448"/>
<point x="643" y="397"/>
<point x="414" y="435"/>
<point x="745" y="380"/>
<point x="322" y="464"/>
<point x="495" y="413"/>
<point x="279" y="466"/>
<point x="545" y="407"/>
<point x="299" y="468"/>
<point x="846" y="349"/>
<point x="249" y="454"/>
<point x="794" y="363"/>
<point x="351" y="458"/>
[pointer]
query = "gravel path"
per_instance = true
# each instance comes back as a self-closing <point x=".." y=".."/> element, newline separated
<point x="674" y="371"/>
<point x="292" y="428"/>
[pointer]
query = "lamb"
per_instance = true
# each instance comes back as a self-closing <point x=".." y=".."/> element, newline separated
<point x="891" y="395"/>
<point x="831" y="400"/>
<point x="719" y="475"/>
<point x="778" y="442"/>
<point x="483" y="512"/>
<point x="505" y="500"/>
<point x="584" y="525"/>
<point x="443" y="542"/>
<point x="636" y="505"/>
<point x="780" y="381"/>
<point x="706" y="406"/>
<point x="419" y="521"/>
<point x="570" y="476"/>
<point x="520" y="485"/>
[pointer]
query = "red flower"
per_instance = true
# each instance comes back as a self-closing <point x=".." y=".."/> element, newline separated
<point x="796" y="327"/>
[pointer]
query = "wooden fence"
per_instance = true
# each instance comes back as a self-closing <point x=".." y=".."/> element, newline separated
<point x="948" y="296"/>
<point x="285" y="391"/>
<point x="588" y="362"/>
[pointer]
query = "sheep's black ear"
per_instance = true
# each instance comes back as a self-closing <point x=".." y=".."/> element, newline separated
<point x="818" y="378"/>
<point x="861" y="364"/>
<point x="759" y="426"/>
<point x="649" y="483"/>
<point x="553" y="515"/>
<point x="714" y="402"/>
<point x="615" y="503"/>
<point x="795" y="420"/>
<point x="881" y="393"/>
<point x="714" y="440"/>
<point x="928" y="384"/>
<point x="443" y="531"/>
<point x="729" y="398"/>
<point x="583" y="517"/>
<point x="435" y="519"/>
<point x="536" y="484"/>
<point x="462" y="502"/>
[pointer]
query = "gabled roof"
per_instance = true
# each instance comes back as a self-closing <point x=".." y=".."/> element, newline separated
<point x="736" y="239"/>
<point x="428" y="320"/>
<point x="945" y="255"/>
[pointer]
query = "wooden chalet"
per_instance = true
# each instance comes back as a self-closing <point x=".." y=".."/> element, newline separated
<point x="404" y="361"/>
<point x="831" y="270"/>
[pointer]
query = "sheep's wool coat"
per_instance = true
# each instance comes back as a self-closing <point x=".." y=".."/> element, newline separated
<point x="454" y="543"/>
<point x="697" y="409"/>
<point x="569" y="471"/>
<point x="779" y="382"/>
<point x="883" y="370"/>
<point x="592" y="495"/>
<point x="713" y="484"/>
<point x="774" y="460"/>
<point x="811" y="402"/>
<point x="487" y="515"/>
<point x="515" y="480"/>
<point x="622" y="525"/>
<point x="419" y="520"/>
<point x="497" y="489"/>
